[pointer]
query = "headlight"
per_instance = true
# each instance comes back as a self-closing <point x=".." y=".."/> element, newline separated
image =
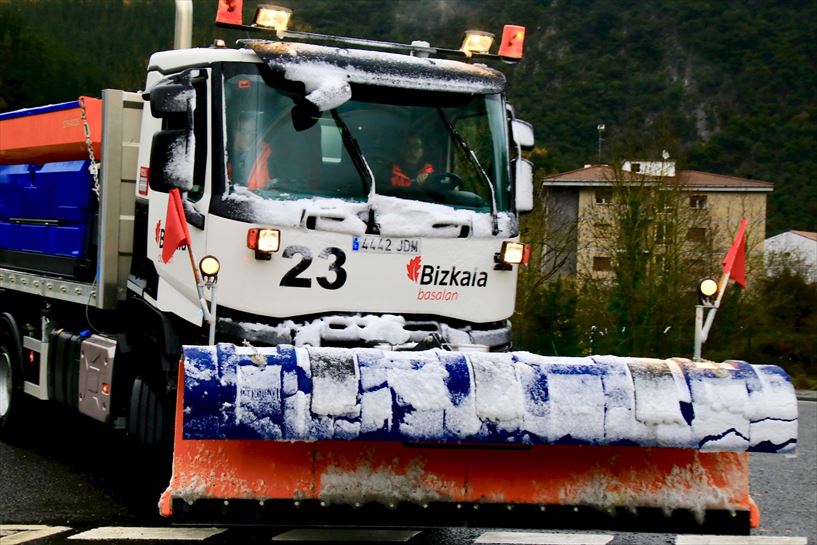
<point x="264" y="240"/>
<point x="514" y="253"/>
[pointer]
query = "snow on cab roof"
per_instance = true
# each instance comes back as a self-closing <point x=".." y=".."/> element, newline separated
<point x="303" y="61"/>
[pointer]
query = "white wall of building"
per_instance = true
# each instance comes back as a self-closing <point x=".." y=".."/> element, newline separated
<point x="800" y="244"/>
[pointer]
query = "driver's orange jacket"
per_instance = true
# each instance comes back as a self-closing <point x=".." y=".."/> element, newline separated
<point x="259" y="174"/>
<point x="401" y="179"/>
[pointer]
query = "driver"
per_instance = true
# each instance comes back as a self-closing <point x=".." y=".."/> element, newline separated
<point x="248" y="163"/>
<point x="412" y="170"/>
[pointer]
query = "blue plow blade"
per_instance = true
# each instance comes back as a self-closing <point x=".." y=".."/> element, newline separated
<point x="288" y="393"/>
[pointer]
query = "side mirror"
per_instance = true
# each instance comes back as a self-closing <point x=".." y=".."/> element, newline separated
<point x="304" y="115"/>
<point x="523" y="188"/>
<point x="172" y="98"/>
<point x="171" y="160"/>
<point x="522" y="134"/>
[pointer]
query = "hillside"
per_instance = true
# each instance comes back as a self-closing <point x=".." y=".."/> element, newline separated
<point x="728" y="87"/>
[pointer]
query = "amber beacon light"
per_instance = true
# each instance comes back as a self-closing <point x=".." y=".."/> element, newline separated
<point x="513" y="40"/>
<point x="229" y="12"/>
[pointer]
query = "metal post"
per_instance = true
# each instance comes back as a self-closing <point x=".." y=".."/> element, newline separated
<point x="600" y="127"/>
<point x="213" y="310"/>
<point x="183" y="36"/>
<point x="699" y="320"/>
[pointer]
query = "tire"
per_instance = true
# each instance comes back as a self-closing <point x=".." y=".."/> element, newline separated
<point x="11" y="377"/>
<point x="146" y="414"/>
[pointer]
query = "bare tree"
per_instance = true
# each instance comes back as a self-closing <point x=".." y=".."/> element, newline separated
<point x="649" y="247"/>
<point x="546" y="290"/>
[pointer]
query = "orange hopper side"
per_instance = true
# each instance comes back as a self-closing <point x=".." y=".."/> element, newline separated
<point x="50" y="133"/>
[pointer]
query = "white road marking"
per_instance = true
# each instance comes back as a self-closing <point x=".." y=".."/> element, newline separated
<point x="148" y="534"/>
<point x="335" y="535"/>
<point x="21" y="533"/>
<point x="536" y="538"/>
<point x="739" y="540"/>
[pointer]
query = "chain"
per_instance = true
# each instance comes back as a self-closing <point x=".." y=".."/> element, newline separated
<point x="94" y="167"/>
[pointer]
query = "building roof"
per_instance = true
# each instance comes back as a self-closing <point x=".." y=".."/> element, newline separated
<point x="806" y="234"/>
<point x="601" y="175"/>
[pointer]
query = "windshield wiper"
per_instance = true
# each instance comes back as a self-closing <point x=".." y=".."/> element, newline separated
<point x="472" y="157"/>
<point x="361" y="165"/>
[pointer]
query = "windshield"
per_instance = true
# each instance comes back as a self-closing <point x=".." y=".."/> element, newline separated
<point x="427" y="146"/>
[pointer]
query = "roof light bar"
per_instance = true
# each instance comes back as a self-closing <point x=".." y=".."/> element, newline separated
<point x="271" y="18"/>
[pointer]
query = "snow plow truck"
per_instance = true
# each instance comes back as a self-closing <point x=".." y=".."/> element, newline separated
<point x="252" y="258"/>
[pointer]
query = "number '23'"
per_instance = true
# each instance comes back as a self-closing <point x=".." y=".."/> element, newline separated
<point x="293" y="278"/>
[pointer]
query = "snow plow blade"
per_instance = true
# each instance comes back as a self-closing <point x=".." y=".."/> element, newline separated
<point x="290" y="435"/>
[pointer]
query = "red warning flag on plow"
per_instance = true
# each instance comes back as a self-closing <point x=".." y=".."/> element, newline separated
<point x="176" y="233"/>
<point x="734" y="264"/>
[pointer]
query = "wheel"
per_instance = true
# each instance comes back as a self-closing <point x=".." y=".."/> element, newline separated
<point x="152" y="357"/>
<point x="11" y="376"/>
<point x="146" y="414"/>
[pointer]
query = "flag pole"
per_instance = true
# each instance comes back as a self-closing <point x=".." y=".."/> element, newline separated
<point x="193" y="263"/>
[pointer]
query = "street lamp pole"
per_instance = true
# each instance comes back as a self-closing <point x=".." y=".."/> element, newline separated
<point x="600" y="127"/>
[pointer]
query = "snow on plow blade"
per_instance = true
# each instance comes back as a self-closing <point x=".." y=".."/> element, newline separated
<point x="289" y="428"/>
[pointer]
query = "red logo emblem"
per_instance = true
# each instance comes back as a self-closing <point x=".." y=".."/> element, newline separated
<point x="413" y="269"/>
<point x="158" y="231"/>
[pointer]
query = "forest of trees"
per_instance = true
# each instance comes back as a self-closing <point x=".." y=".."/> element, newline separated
<point x="728" y="87"/>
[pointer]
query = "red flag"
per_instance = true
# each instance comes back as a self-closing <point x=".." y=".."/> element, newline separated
<point x="176" y="233"/>
<point x="734" y="263"/>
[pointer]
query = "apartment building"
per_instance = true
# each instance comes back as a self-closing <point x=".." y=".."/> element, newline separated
<point x="699" y="211"/>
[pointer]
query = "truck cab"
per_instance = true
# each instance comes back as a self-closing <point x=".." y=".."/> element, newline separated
<point x="351" y="196"/>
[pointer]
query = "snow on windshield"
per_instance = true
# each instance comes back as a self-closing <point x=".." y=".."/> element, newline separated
<point x="395" y="216"/>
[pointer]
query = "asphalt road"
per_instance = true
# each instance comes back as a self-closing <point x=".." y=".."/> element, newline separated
<point x="75" y="473"/>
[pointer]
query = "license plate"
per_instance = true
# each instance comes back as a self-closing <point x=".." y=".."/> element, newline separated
<point x="386" y="245"/>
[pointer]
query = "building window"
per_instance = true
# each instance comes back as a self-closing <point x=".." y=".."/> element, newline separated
<point x="604" y="197"/>
<point x="698" y="202"/>
<point x="602" y="229"/>
<point x="602" y="264"/>
<point x="661" y="232"/>
<point x="696" y="234"/>
<point x="635" y="167"/>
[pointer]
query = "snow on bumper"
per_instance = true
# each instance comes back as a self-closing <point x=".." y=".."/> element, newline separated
<point x="305" y="394"/>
